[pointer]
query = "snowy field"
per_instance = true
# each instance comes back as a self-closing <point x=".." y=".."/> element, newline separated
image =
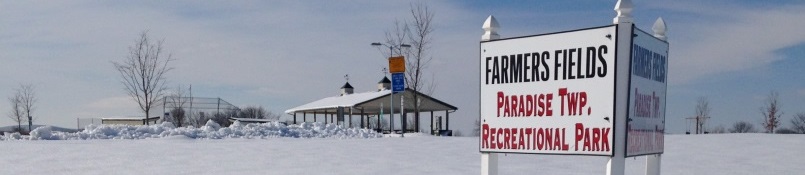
<point x="362" y="153"/>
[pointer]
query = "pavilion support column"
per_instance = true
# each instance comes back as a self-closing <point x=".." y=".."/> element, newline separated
<point x="362" y="123"/>
<point x="304" y="117"/>
<point x="294" y="118"/>
<point x="416" y="121"/>
<point x="350" y="117"/>
<point x="379" y="128"/>
<point x="447" y="120"/>
<point x="431" y="122"/>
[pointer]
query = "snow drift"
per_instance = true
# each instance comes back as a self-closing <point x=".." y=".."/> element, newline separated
<point x="211" y="130"/>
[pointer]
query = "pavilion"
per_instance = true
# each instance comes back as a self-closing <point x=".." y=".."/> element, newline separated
<point x="374" y="103"/>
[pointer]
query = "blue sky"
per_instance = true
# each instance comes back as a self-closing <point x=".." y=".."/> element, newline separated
<point x="280" y="54"/>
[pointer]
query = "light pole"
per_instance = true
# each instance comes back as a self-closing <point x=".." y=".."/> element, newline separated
<point x="391" y="92"/>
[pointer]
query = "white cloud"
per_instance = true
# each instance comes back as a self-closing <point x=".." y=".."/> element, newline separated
<point x="730" y="38"/>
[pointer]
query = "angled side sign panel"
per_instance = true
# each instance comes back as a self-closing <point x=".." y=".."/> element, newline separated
<point x="647" y="92"/>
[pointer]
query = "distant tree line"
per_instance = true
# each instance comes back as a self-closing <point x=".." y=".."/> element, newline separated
<point x="179" y="117"/>
<point x="771" y="120"/>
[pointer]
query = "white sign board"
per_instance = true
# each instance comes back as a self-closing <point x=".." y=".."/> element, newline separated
<point x="647" y="89"/>
<point x="549" y="94"/>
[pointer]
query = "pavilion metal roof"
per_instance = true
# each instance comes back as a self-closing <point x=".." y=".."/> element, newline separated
<point x="371" y="102"/>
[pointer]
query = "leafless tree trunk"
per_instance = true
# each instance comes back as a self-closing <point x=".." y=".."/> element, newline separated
<point x="419" y="57"/>
<point x="771" y="113"/>
<point x="798" y="123"/>
<point x="143" y="72"/>
<point x="742" y="127"/>
<point x="28" y="102"/>
<point x="702" y="113"/>
<point x="17" y="114"/>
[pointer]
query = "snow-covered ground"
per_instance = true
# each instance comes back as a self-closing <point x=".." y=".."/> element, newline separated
<point x="414" y="154"/>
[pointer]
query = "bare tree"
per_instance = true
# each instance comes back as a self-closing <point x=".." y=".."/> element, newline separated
<point x="178" y="98"/>
<point x="396" y="40"/>
<point x="28" y="103"/>
<point x="418" y="32"/>
<point x="23" y="105"/>
<point x="16" y="114"/>
<point x="143" y="72"/>
<point x="178" y="116"/>
<point x="798" y="123"/>
<point x="771" y="113"/>
<point x="422" y="28"/>
<point x="702" y="113"/>
<point x="199" y="119"/>
<point x="256" y="112"/>
<point x="742" y="127"/>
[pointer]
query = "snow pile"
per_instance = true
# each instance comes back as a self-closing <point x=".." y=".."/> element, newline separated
<point x="211" y="130"/>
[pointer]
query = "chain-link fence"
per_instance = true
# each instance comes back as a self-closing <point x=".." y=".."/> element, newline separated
<point x="196" y="111"/>
<point x="184" y="111"/>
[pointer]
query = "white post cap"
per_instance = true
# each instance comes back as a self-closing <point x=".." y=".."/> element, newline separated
<point x="490" y="27"/>
<point x="660" y="29"/>
<point x="624" y="10"/>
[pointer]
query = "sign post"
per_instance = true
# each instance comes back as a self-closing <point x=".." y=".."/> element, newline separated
<point x="489" y="161"/>
<point x="653" y="162"/>
<point x="397" y="69"/>
<point x="597" y="91"/>
<point x="398" y="85"/>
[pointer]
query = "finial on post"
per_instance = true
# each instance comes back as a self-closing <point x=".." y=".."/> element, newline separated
<point x="490" y="27"/>
<point x="660" y="29"/>
<point x="624" y="10"/>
